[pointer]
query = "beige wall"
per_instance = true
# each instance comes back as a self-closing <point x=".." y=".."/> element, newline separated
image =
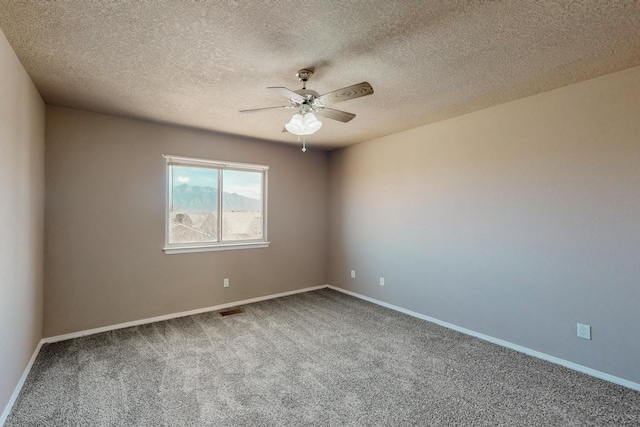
<point x="105" y="213"/>
<point x="516" y="221"/>
<point x="22" y="117"/>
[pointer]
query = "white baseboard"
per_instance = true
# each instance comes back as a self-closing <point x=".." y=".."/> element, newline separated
<point x="18" y="388"/>
<point x="576" y="367"/>
<point x="94" y="331"/>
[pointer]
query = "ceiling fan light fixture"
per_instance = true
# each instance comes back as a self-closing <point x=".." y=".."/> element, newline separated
<point x="306" y="124"/>
<point x="311" y="123"/>
<point x="295" y="125"/>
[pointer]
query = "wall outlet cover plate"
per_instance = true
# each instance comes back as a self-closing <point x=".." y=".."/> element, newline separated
<point x="584" y="331"/>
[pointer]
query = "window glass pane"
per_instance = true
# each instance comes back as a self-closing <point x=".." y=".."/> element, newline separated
<point x="241" y="205"/>
<point x="193" y="204"/>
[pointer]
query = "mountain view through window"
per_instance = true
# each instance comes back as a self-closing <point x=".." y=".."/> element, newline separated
<point x="194" y="212"/>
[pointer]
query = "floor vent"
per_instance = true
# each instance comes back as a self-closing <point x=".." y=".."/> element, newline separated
<point x="229" y="312"/>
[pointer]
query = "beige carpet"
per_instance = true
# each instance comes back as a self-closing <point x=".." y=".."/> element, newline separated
<point x="318" y="358"/>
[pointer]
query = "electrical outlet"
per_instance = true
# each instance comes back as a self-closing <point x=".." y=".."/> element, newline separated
<point x="381" y="281"/>
<point x="584" y="331"/>
<point x="226" y="283"/>
<point x="353" y="274"/>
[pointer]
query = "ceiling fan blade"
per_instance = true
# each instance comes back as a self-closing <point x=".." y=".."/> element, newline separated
<point x="330" y="113"/>
<point x="347" y="93"/>
<point x="265" y="108"/>
<point x="287" y="92"/>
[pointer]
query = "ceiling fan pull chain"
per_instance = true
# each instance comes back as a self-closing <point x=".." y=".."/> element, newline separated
<point x="304" y="145"/>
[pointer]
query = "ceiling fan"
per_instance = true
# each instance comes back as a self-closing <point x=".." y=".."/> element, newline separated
<point x="308" y="103"/>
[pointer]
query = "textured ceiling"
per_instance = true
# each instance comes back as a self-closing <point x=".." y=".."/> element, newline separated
<point x="196" y="63"/>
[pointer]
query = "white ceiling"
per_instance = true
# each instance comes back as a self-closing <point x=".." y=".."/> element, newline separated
<point x="196" y="63"/>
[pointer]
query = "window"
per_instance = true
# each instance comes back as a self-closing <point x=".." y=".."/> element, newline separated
<point x="214" y="205"/>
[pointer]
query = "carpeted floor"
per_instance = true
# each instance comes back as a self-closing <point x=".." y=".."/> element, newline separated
<point x="318" y="358"/>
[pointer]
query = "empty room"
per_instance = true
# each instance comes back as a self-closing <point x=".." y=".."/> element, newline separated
<point x="309" y="213"/>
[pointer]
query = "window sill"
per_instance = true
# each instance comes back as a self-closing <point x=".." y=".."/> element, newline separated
<point x="209" y="248"/>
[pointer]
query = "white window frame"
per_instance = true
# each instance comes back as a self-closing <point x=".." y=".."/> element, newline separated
<point x="180" y="248"/>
